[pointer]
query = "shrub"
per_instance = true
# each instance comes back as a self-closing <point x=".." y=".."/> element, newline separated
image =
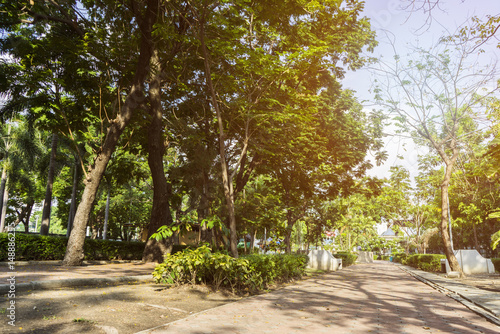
<point x="496" y="263"/>
<point x="400" y="258"/>
<point x="96" y="249"/>
<point x="380" y="257"/>
<point x="426" y="262"/>
<point x="38" y="248"/>
<point x="278" y="267"/>
<point x="248" y="273"/>
<point x="347" y="258"/>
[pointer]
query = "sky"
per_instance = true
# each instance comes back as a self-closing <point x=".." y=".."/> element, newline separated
<point x="411" y="29"/>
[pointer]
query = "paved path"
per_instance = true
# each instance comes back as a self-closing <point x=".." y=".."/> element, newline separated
<point x="366" y="298"/>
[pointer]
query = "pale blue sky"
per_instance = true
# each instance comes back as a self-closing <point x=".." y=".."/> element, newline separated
<point x="410" y="29"/>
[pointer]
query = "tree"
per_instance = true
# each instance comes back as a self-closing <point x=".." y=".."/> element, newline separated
<point x="7" y="143"/>
<point x="74" y="253"/>
<point x="22" y="164"/>
<point x="46" y="19"/>
<point x="287" y="94"/>
<point x="436" y="94"/>
<point x="47" y="203"/>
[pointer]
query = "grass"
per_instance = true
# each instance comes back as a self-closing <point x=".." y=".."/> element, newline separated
<point x="313" y="272"/>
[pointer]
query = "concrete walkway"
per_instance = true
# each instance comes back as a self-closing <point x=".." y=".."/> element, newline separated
<point x="365" y="298"/>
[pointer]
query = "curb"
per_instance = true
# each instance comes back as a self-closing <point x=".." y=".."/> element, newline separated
<point x="72" y="282"/>
<point x="470" y="303"/>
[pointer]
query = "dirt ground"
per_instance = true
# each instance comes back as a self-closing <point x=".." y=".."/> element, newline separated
<point x="107" y="310"/>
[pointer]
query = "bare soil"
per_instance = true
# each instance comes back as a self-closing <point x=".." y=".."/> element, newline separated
<point x="109" y="309"/>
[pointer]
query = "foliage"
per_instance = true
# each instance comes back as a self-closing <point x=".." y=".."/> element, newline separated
<point x="348" y="258"/>
<point x="496" y="263"/>
<point x="425" y="262"/>
<point x="400" y="258"/>
<point x="36" y="247"/>
<point x="495" y="240"/>
<point x="354" y="217"/>
<point x="278" y="267"/>
<point x="96" y="249"/>
<point x="249" y="273"/>
<point x="440" y="96"/>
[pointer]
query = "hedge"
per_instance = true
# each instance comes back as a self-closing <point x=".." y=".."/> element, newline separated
<point x="381" y="257"/>
<point x="34" y="247"/>
<point x="400" y="258"/>
<point x="496" y="263"/>
<point x="247" y="273"/>
<point x="347" y="258"/>
<point x="426" y="262"/>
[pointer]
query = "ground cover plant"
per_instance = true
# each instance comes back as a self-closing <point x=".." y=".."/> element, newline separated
<point x="249" y="273"/>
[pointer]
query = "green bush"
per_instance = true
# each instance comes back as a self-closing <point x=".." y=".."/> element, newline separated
<point x="248" y="273"/>
<point x="278" y="267"/>
<point x="96" y="249"/>
<point x="426" y="262"/>
<point x="34" y="247"/>
<point x="381" y="257"/>
<point x="400" y="258"/>
<point x="496" y="263"/>
<point x="347" y="258"/>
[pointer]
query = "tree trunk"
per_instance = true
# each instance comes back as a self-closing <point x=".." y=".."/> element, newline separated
<point x="4" y="200"/>
<point x="227" y="182"/>
<point x="74" y="252"/>
<point x="3" y="193"/>
<point x="106" y="214"/>
<point x="252" y="239"/>
<point x="28" y="215"/>
<point x="47" y="202"/>
<point x="476" y="242"/>
<point x="288" y="233"/>
<point x="72" y="208"/>
<point x="203" y="210"/>
<point x="452" y="260"/>
<point x="264" y="244"/>
<point x="160" y="213"/>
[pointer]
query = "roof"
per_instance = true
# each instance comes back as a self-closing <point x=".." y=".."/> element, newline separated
<point x="388" y="233"/>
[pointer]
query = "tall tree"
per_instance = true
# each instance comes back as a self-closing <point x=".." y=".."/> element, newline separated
<point x="160" y="214"/>
<point x="436" y="94"/>
<point x="47" y="203"/>
<point x="7" y="143"/>
<point x="272" y="80"/>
